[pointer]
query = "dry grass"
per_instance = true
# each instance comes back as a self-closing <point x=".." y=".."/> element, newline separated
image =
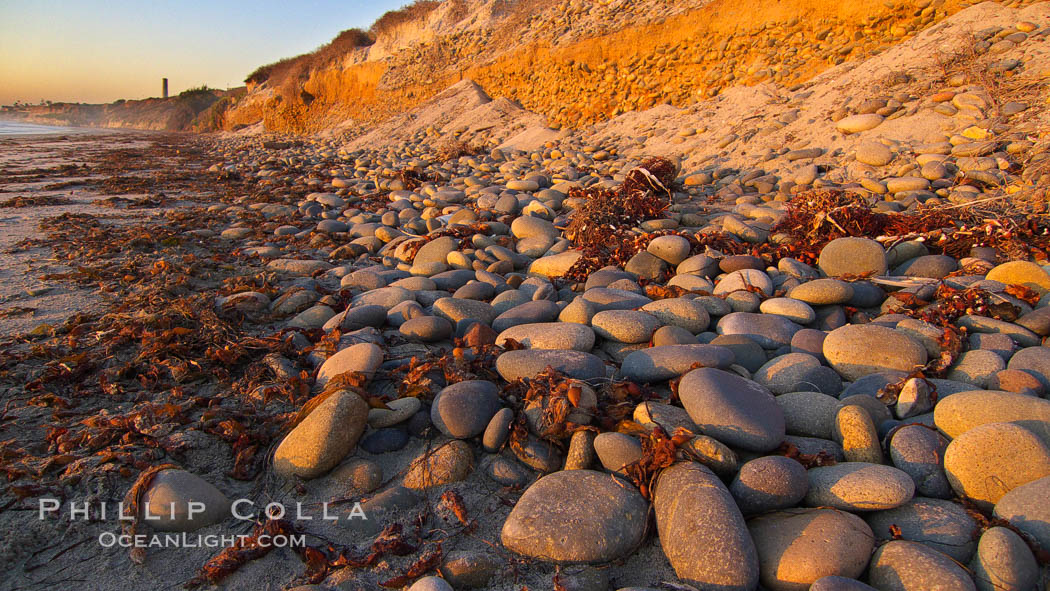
<point x="298" y="67"/>
<point x="976" y="67"/>
<point x="454" y="149"/>
<point x="418" y="10"/>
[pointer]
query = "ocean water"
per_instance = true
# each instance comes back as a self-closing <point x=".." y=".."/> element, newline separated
<point x="10" y="128"/>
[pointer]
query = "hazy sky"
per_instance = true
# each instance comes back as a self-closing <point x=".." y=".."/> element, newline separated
<point x="104" y="50"/>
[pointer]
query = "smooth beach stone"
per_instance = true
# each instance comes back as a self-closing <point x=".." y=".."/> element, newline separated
<point x="870" y="384"/>
<point x="298" y="267"/>
<point x="361" y="316"/>
<point x="1020" y="335"/>
<point x="673" y="335"/>
<point x="799" y="546"/>
<point x="463" y="410"/>
<point x="672" y="249"/>
<point x="1000" y="344"/>
<point x="855" y="431"/>
<point x="616" y="450"/>
<point x="700" y="264"/>
<point x="539" y="454"/>
<point x="737" y="262"/>
<point x="656" y="364"/>
<point x="1037" y="321"/>
<point x="356" y="475"/>
<point x="435" y="251"/>
<point x="768" y="330"/>
<point x="988" y="461"/>
<point x="691" y="283"/>
<point x="455" y="310"/>
<point x="878" y="411"/>
<point x="769" y="483"/>
<point x="506" y="471"/>
<point x="605" y="276"/>
<point x="603" y="298"/>
<point x="794" y="310"/>
<point x="798" y="371"/>
<point x="858" y="486"/>
<point x="1025" y="507"/>
<point x="312" y="317"/>
<point x="857" y="350"/>
<point x="1015" y="380"/>
<point x="428" y="329"/>
<point x="733" y="410"/>
<point x="915" y="398"/>
<point x="384" y="440"/>
<point x="579" y="311"/>
<point x="909" y="566"/>
<point x="858" y="123"/>
<point x="681" y="312"/>
<point x="1034" y="361"/>
<point x="1003" y="562"/>
<point x="431" y="584"/>
<point x="646" y="266"/>
<point x="550" y="335"/>
<point x="814" y="446"/>
<point x="742" y="280"/>
<point x="1023" y="273"/>
<point x="403" y="312"/>
<point x="823" y="292"/>
<point x="397" y="411"/>
<point x="749" y="354"/>
<point x="452" y="280"/>
<point x="873" y="153"/>
<point x="581" y="454"/>
<point x="650" y="414"/>
<point x="715" y="306"/>
<point x="555" y="265"/>
<point x="531" y="312"/>
<point x="866" y="295"/>
<point x="323" y="438"/>
<point x="387" y="297"/>
<point x="362" y="357"/>
<point x="934" y="266"/>
<point x="852" y="256"/>
<point x="444" y="464"/>
<point x="527" y="363"/>
<point x="836" y="583"/>
<point x="251" y="303"/>
<point x="962" y="411"/>
<point x="810" y="414"/>
<point x="166" y="502"/>
<point x="576" y="516"/>
<point x="625" y="326"/>
<point x="701" y="530"/>
<point x="498" y="430"/>
<point x="942" y="525"/>
<point x="475" y="290"/>
<point x="469" y="569"/>
<point x="715" y="455"/>
<point x="918" y="451"/>
<point x="976" y="367"/>
<point x="390" y="504"/>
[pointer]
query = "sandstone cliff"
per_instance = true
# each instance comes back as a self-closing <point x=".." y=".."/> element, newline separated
<point x="579" y="62"/>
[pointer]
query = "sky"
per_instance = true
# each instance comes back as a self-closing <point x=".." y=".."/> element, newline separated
<point x="97" y="51"/>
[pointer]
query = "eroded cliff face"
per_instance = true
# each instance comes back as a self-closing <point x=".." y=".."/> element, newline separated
<point x="192" y="111"/>
<point x="579" y="62"/>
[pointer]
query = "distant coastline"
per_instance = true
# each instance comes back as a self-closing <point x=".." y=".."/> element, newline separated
<point x="189" y="111"/>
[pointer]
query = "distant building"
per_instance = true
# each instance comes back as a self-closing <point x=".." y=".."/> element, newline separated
<point x="164" y="85"/>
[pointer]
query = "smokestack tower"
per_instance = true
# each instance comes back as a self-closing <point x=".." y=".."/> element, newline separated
<point x="164" y="85"/>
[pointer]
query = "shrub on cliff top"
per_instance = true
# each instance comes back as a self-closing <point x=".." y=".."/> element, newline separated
<point x="418" y="10"/>
<point x="328" y="53"/>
